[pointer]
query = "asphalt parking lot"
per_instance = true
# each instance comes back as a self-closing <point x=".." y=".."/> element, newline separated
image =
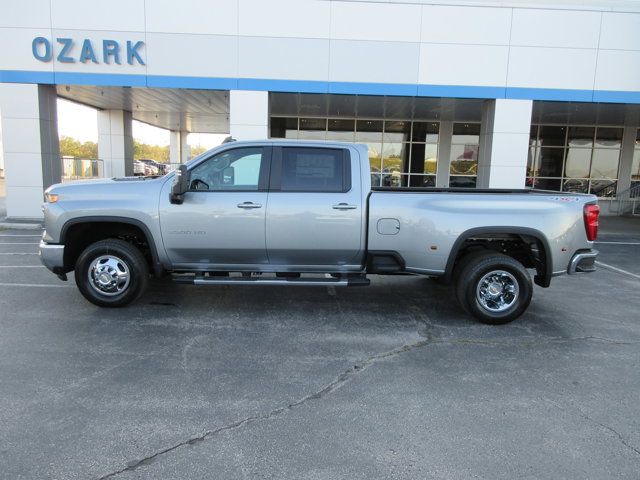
<point x="390" y="381"/>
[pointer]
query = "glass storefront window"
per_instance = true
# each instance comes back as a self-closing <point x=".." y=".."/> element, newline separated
<point x="401" y="152"/>
<point x="395" y="132"/>
<point x="430" y="159"/>
<point x="603" y="188"/>
<point x="394" y="156"/>
<point x="313" y="129"/>
<point x="465" y="134"/>
<point x="635" y="166"/>
<point x="533" y="135"/>
<point x="423" y="180"/>
<point x="425" y="132"/>
<point x="552" y="136"/>
<point x="548" y="184"/>
<point x="578" y="163"/>
<point x="375" y="156"/>
<point x="369" y="131"/>
<point x="462" y="182"/>
<point x="533" y="164"/>
<point x="575" y="158"/>
<point x="464" y="160"/>
<point x="609" y="137"/>
<point x="581" y="136"/>
<point x="341" y="130"/>
<point x="551" y="162"/>
<point x="605" y="163"/>
<point x="284" y="127"/>
<point x="574" y="185"/>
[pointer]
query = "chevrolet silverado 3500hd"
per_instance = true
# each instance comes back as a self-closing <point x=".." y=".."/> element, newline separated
<point x="304" y="213"/>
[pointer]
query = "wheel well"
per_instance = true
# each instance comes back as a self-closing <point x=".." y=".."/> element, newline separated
<point x="528" y="249"/>
<point x="79" y="236"/>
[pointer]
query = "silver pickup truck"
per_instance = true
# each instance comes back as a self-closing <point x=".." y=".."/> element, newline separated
<point x="304" y="213"/>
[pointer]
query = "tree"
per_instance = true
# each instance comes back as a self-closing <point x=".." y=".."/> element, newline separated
<point x="197" y="150"/>
<point x="153" y="152"/>
<point x="70" y="147"/>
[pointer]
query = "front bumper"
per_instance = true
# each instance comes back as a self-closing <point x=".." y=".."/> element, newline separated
<point x="583" y="261"/>
<point x="52" y="256"/>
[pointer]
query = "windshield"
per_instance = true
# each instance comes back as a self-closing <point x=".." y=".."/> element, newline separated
<point x="201" y="156"/>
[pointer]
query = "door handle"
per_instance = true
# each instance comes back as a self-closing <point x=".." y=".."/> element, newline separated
<point x="344" y="206"/>
<point x="249" y="205"/>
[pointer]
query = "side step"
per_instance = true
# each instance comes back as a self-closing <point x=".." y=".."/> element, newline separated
<point x="257" y="280"/>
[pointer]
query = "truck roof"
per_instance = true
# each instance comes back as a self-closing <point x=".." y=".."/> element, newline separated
<point x="289" y="141"/>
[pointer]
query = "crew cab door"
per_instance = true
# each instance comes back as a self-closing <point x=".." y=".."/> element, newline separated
<point x="315" y="214"/>
<point x="221" y="221"/>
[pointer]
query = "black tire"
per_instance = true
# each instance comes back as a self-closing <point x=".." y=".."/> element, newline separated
<point x="504" y="276"/>
<point x="457" y="273"/>
<point x="117" y="260"/>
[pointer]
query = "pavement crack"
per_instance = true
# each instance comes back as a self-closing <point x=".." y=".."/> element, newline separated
<point x="424" y="330"/>
<point x="423" y="322"/>
<point x="609" y="428"/>
<point x="340" y="380"/>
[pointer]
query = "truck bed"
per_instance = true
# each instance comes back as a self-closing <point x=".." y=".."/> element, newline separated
<point x="425" y="225"/>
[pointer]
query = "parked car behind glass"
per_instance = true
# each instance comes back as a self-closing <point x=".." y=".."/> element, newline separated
<point x="138" y="168"/>
<point x="150" y="167"/>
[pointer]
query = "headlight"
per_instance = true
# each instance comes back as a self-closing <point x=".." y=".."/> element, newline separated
<point x="51" y="197"/>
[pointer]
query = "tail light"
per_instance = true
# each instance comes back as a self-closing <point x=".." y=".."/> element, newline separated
<point x="591" y="214"/>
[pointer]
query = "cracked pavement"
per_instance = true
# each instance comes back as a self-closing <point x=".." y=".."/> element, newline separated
<point x="390" y="381"/>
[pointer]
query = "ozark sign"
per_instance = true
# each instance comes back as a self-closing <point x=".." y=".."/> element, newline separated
<point x="70" y="51"/>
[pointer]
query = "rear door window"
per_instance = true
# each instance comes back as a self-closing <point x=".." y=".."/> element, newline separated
<point x="305" y="169"/>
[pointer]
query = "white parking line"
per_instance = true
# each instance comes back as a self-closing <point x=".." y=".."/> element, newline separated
<point x="39" y="285"/>
<point x="619" y="243"/>
<point x="619" y="270"/>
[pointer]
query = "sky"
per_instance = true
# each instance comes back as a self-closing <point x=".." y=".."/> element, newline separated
<point x="81" y="122"/>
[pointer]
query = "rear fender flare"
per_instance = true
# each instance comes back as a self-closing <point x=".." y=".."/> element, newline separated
<point x="542" y="279"/>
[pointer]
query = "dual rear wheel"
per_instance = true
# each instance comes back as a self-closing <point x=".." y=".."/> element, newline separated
<point x="492" y="287"/>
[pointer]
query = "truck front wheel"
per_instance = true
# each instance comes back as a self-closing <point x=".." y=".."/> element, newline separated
<point x="494" y="288"/>
<point x="111" y="273"/>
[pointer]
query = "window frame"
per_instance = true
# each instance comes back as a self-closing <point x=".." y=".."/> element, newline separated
<point x="275" y="183"/>
<point x="406" y="175"/>
<point x="263" y="175"/>
<point x="458" y="143"/>
<point x="534" y="161"/>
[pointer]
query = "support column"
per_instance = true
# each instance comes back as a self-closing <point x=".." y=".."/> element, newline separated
<point x="179" y="148"/>
<point x="185" y="148"/>
<point x="444" y="154"/>
<point x="504" y="143"/>
<point x="248" y="114"/>
<point x="30" y="146"/>
<point x="626" y="158"/>
<point x="174" y="146"/>
<point x="115" y="142"/>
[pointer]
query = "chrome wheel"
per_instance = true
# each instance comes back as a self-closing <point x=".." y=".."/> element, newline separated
<point x="109" y="275"/>
<point x="497" y="291"/>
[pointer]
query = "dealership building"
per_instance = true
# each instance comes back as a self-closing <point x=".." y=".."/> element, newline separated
<point x="502" y="94"/>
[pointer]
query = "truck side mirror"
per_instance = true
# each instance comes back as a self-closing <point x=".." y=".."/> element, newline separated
<point x="180" y="185"/>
